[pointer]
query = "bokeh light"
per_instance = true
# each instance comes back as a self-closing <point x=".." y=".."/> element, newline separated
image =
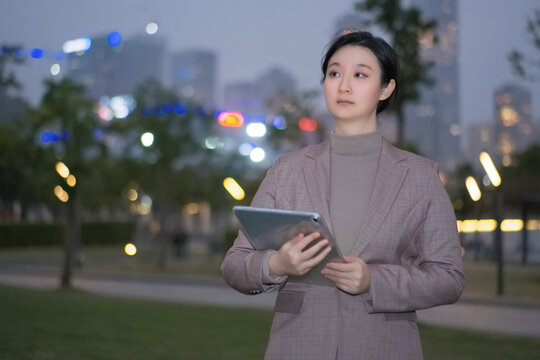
<point x="152" y="28"/>
<point x="232" y="119"/>
<point x="77" y="45"/>
<point x="55" y="69"/>
<point x="234" y="188"/>
<point x="114" y="38"/>
<point x="130" y="249"/>
<point x="147" y="139"/>
<point x="257" y="155"/>
<point x="256" y="129"/>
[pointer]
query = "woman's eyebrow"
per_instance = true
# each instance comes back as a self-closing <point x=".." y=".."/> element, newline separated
<point x="364" y="65"/>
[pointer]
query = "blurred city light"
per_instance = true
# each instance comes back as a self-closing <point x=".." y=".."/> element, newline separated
<point x="130" y="249"/>
<point x="71" y="181"/>
<point x="114" y="38"/>
<point x="77" y="45"/>
<point x="214" y="143"/>
<point x="62" y="169"/>
<point x="192" y="208"/>
<point x="50" y="136"/>
<point x="486" y="225"/>
<point x="234" y="188"/>
<point x="279" y="123"/>
<point x="512" y="225"/>
<point x="257" y="155"/>
<point x="533" y="225"/>
<point x="132" y="195"/>
<point x="55" y="69"/>
<point x="245" y="149"/>
<point x="147" y="139"/>
<point x="256" y="129"/>
<point x="489" y="225"/>
<point x="122" y="105"/>
<point x="36" y="53"/>
<point x="61" y="194"/>
<point x="152" y="28"/>
<point x="472" y="188"/>
<point x="232" y="119"/>
<point x="490" y="169"/>
<point x="307" y="124"/>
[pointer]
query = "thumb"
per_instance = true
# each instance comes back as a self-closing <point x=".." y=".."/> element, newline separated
<point x="349" y="259"/>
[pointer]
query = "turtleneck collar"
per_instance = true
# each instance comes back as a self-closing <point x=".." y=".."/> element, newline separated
<point x="356" y="145"/>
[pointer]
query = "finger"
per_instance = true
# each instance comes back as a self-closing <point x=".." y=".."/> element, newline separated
<point x="302" y="243"/>
<point x="295" y="240"/>
<point x="315" y="249"/>
<point x="340" y="267"/>
<point x="314" y="261"/>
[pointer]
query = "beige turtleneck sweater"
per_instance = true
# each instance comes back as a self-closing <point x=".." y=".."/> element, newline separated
<point x="353" y="166"/>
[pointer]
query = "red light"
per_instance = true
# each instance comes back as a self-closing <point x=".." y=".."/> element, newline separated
<point x="232" y="119"/>
<point x="306" y="124"/>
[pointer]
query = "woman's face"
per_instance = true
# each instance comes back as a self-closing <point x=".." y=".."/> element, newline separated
<point x="352" y="87"/>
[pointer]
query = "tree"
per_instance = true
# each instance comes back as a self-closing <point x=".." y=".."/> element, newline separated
<point x="526" y="67"/>
<point x="65" y="112"/>
<point x="9" y="56"/>
<point x="406" y="30"/>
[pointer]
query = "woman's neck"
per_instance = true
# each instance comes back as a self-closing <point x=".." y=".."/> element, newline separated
<point x="354" y="128"/>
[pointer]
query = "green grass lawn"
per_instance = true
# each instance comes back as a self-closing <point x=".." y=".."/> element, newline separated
<point x="76" y="325"/>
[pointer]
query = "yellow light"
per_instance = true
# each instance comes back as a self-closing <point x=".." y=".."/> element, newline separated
<point x="234" y="189"/>
<point x="61" y="194"/>
<point x="192" y="208"/>
<point x="62" y="169"/>
<point x="130" y="249"/>
<point x="490" y="169"/>
<point x="533" y="225"/>
<point x="486" y="225"/>
<point x="512" y="225"/>
<point x="459" y="224"/>
<point x="468" y="226"/>
<point x="132" y="195"/>
<point x="71" y="181"/>
<point x="472" y="188"/>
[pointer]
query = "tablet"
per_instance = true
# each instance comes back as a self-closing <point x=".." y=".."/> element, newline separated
<point x="271" y="228"/>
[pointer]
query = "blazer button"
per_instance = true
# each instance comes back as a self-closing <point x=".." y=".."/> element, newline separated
<point x="254" y="292"/>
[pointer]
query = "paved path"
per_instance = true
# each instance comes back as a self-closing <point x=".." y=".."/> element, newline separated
<point x="512" y="319"/>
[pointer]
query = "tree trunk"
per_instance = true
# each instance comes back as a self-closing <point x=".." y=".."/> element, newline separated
<point x="72" y="238"/>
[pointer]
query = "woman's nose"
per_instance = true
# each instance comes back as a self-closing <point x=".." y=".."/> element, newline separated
<point x="344" y="86"/>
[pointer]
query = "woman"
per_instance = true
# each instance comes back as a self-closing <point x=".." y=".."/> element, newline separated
<point x="389" y="214"/>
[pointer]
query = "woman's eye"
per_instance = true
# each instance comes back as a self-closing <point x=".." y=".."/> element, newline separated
<point x="333" y="74"/>
<point x="359" y="75"/>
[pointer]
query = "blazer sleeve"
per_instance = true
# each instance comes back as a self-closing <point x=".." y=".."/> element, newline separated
<point x="243" y="267"/>
<point x="438" y="278"/>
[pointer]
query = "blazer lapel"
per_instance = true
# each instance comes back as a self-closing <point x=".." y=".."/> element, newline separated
<point x="388" y="180"/>
<point x="317" y="177"/>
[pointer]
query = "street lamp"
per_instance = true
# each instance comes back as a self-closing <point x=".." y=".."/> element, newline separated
<point x="495" y="180"/>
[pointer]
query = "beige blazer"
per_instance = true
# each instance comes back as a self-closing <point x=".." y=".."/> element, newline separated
<point x="409" y="240"/>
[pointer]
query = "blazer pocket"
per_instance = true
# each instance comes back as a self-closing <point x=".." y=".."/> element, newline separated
<point x="289" y="301"/>
<point x="410" y="315"/>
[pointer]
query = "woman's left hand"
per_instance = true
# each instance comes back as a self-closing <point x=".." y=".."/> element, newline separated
<point x="351" y="276"/>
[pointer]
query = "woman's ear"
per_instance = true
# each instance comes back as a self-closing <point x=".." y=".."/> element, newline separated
<point x="388" y="90"/>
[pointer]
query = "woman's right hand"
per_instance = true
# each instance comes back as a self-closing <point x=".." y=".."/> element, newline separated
<point x="294" y="259"/>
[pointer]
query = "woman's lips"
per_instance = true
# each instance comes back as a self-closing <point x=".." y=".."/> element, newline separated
<point x="346" y="102"/>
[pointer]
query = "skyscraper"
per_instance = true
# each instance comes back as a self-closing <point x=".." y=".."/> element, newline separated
<point x="513" y="122"/>
<point x="433" y="122"/>
<point x="117" y="68"/>
<point x="194" y="76"/>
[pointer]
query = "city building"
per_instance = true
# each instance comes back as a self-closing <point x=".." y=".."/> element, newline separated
<point x="513" y="127"/>
<point x="113" y="66"/>
<point x="433" y="122"/>
<point x="194" y="76"/>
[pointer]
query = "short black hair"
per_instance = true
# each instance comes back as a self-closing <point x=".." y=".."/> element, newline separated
<point x="386" y="56"/>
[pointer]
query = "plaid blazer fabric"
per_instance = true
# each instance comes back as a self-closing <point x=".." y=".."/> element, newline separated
<point x="408" y="239"/>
